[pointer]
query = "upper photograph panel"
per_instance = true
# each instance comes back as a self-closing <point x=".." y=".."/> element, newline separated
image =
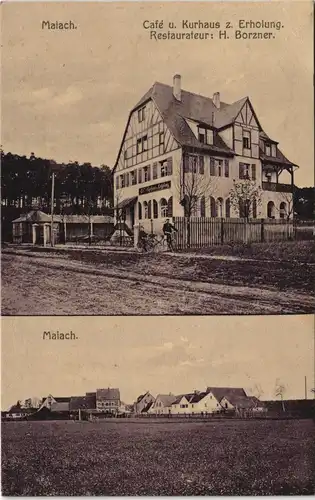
<point x="157" y="158"/>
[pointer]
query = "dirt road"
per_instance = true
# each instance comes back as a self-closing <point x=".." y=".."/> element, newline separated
<point x="45" y="284"/>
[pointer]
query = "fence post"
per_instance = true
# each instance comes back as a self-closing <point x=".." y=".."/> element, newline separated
<point x="262" y="231"/>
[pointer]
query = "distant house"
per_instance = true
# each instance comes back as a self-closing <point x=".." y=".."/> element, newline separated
<point x="16" y="412"/>
<point x="56" y="404"/>
<point x="107" y="400"/>
<point x="87" y="403"/>
<point x="163" y="404"/>
<point x="182" y="403"/>
<point x="144" y="401"/>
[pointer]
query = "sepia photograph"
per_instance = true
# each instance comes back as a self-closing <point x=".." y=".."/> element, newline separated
<point x="187" y="407"/>
<point x="157" y="158"/>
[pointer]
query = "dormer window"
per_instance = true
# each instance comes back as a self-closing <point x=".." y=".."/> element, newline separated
<point x="141" y="114"/>
<point x="268" y="150"/>
<point x="205" y="136"/>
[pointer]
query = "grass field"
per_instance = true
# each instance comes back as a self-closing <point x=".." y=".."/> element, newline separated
<point x="92" y="281"/>
<point x="162" y="458"/>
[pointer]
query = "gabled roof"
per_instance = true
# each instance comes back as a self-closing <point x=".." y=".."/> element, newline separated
<point x="147" y="407"/>
<point x="228" y="392"/>
<point x="140" y="398"/>
<point x="33" y="216"/>
<point x="187" y="396"/>
<point x="166" y="399"/>
<point x="110" y="394"/>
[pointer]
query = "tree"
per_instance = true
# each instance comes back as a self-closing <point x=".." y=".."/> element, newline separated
<point x="304" y="202"/>
<point x="286" y="205"/>
<point x="245" y="197"/>
<point x="279" y="392"/>
<point x="194" y="188"/>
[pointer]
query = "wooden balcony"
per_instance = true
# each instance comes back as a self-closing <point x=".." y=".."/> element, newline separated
<point x="277" y="187"/>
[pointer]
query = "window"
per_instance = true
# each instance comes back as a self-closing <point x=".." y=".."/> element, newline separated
<point x="141" y="114"/>
<point x="268" y="150"/>
<point x="220" y="167"/>
<point x="283" y="210"/>
<point x="146" y="173"/>
<point x="244" y="171"/>
<point x="154" y="171"/>
<point x="273" y="150"/>
<point x="271" y="210"/>
<point x="149" y="210"/>
<point x="246" y="139"/>
<point x="140" y="175"/>
<point x="122" y="181"/>
<point x="117" y="182"/>
<point x="226" y="168"/>
<point x="227" y="210"/>
<point x="205" y="136"/>
<point x="170" y="207"/>
<point x="219" y="207"/>
<point x="201" y="165"/>
<point x="139" y="146"/>
<point x="202" y="136"/>
<point x="253" y="172"/>
<point x="142" y="144"/>
<point x="163" y="168"/>
<point x="133" y="176"/>
<point x="193" y="163"/>
<point x="213" y="212"/>
<point x="163" y="208"/>
<point x="161" y="138"/>
<point x="212" y="166"/>
<point x="155" y="210"/>
<point x="140" y="210"/>
<point x="146" y="210"/>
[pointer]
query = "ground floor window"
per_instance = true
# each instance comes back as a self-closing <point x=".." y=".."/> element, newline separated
<point x="271" y="210"/>
<point x="163" y="208"/>
<point x="283" y="210"/>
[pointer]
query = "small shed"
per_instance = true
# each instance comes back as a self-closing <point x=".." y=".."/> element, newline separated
<point x="33" y="227"/>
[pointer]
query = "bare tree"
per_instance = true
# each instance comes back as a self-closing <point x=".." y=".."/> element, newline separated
<point x="287" y="211"/>
<point x="195" y="188"/>
<point x="280" y="391"/>
<point x="245" y="197"/>
<point x="257" y="391"/>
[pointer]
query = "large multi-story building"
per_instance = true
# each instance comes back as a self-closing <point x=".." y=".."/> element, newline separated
<point x="172" y="135"/>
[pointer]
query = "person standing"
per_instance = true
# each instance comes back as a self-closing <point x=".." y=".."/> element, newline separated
<point x="168" y="230"/>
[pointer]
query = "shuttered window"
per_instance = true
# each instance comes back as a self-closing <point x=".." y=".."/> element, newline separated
<point x="140" y="175"/>
<point x="201" y="165"/>
<point x="212" y="166"/>
<point x="154" y="173"/>
<point x="226" y="168"/>
<point x="169" y="166"/>
<point x="186" y="164"/>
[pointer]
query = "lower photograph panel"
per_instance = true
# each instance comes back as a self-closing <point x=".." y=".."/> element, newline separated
<point x="158" y="407"/>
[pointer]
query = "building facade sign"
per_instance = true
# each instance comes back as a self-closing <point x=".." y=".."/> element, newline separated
<point x="155" y="187"/>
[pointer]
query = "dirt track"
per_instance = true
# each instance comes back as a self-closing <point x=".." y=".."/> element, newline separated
<point x="46" y="284"/>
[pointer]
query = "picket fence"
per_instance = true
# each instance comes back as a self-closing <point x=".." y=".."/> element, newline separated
<point x="199" y="232"/>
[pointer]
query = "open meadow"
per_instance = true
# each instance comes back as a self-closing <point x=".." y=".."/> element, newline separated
<point x="117" y="457"/>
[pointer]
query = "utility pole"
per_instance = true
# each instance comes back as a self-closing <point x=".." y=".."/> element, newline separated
<point x="52" y="209"/>
<point x="305" y="386"/>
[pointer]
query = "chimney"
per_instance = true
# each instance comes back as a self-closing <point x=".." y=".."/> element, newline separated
<point x="216" y="99"/>
<point x="177" y="90"/>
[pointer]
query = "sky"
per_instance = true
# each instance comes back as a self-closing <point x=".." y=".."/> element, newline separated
<point x="66" y="95"/>
<point x="160" y="354"/>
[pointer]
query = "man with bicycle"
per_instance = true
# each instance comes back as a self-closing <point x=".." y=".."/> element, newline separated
<point x="168" y="230"/>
